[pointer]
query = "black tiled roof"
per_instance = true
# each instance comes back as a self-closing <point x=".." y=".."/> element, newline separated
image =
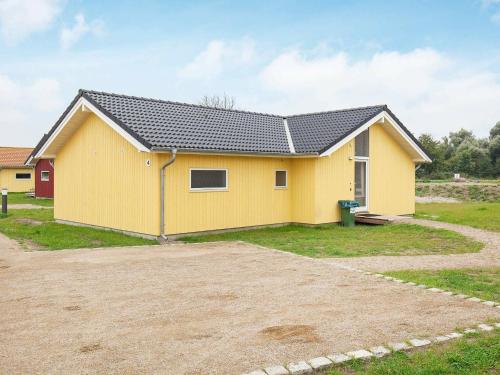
<point x="317" y="132"/>
<point x="164" y="124"/>
<point x="159" y="124"/>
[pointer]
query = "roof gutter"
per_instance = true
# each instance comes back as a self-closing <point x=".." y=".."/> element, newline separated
<point x="221" y="152"/>
<point x="162" y="192"/>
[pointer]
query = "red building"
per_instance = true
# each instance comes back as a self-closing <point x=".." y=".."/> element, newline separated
<point x="44" y="173"/>
<point x="44" y="179"/>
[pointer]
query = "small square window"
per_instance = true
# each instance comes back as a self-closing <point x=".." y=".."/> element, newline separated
<point x="280" y="181"/>
<point x="44" y="176"/>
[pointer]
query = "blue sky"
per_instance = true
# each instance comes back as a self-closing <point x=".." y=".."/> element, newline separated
<point x="435" y="63"/>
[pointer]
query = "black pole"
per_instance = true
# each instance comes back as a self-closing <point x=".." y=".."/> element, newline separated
<point x="4" y="201"/>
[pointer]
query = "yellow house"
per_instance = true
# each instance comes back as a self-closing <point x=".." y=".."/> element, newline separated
<point x="14" y="175"/>
<point x="163" y="168"/>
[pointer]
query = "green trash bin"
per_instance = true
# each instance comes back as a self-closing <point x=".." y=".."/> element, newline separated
<point x="347" y="210"/>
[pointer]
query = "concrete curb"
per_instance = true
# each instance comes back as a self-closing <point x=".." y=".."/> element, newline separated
<point x="321" y="363"/>
<point x="424" y="287"/>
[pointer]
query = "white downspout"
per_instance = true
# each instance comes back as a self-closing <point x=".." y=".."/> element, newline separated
<point x="162" y="192"/>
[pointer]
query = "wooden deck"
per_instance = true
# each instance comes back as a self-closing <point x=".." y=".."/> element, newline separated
<point x="374" y="219"/>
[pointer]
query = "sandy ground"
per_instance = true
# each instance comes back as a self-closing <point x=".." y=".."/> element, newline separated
<point x="222" y="308"/>
<point x="488" y="257"/>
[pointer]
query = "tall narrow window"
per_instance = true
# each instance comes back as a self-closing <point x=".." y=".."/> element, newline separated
<point x="208" y="179"/>
<point x="280" y="180"/>
<point x="360" y="182"/>
<point x="361" y="144"/>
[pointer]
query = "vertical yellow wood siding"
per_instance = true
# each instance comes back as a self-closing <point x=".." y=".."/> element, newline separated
<point x="8" y="180"/>
<point x="392" y="176"/>
<point x="303" y="182"/>
<point x="334" y="181"/>
<point x="103" y="180"/>
<point x="251" y="198"/>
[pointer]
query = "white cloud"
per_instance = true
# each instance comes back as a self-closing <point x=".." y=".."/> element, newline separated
<point x="495" y="6"/>
<point x="69" y="36"/>
<point x="20" y="18"/>
<point x="427" y="90"/>
<point x="26" y="108"/>
<point x="217" y="57"/>
<point x="487" y="3"/>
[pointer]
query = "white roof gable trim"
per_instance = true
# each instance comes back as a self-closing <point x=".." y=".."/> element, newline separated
<point x="84" y="105"/>
<point x="382" y="116"/>
<point x="28" y="162"/>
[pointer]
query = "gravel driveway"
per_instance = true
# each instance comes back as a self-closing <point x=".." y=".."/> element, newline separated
<point x="219" y="308"/>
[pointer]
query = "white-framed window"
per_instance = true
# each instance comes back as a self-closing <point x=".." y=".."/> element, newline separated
<point x="362" y="144"/>
<point x="44" y="176"/>
<point x="208" y="179"/>
<point x="23" y="176"/>
<point x="280" y="179"/>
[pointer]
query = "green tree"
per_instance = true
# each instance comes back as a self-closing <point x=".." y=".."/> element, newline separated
<point x="436" y="151"/>
<point x="494" y="145"/>
<point x="495" y="130"/>
<point x="494" y="148"/>
<point x="457" y="138"/>
<point x="472" y="160"/>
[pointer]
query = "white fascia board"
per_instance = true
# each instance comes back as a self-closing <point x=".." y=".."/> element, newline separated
<point x="28" y="162"/>
<point x="289" y="136"/>
<point x="85" y="105"/>
<point x="407" y="137"/>
<point x="381" y="116"/>
<point x="59" y="128"/>
<point x="89" y="106"/>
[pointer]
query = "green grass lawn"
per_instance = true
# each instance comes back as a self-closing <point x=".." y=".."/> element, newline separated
<point x="21" y="198"/>
<point x="478" y="215"/>
<point x="37" y="229"/>
<point x="482" y="283"/>
<point x="335" y="241"/>
<point x="471" y="355"/>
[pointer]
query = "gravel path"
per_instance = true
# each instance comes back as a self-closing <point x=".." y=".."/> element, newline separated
<point x="488" y="257"/>
<point x="436" y="200"/>
<point x="25" y="206"/>
<point x="212" y="308"/>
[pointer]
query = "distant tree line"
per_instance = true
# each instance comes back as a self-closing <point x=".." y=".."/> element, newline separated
<point x="461" y="152"/>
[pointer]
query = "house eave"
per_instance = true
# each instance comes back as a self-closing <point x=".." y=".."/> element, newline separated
<point x="381" y="116"/>
<point x="83" y="104"/>
<point x="233" y="152"/>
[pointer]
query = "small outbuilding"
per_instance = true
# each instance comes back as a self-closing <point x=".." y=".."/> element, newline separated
<point x="44" y="173"/>
<point x="14" y="175"/>
<point x="156" y="167"/>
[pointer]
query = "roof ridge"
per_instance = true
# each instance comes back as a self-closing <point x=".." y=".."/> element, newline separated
<point x="226" y="109"/>
<point x="338" y="110"/>
<point x="180" y="103"/>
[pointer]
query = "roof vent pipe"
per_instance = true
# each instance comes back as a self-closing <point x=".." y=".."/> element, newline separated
<point x="162" y="192"/>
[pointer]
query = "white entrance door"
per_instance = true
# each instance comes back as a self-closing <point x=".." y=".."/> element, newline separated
<point x="361" y="184"/>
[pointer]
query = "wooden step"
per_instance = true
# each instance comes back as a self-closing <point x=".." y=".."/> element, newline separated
<point x="373" y="219"/>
